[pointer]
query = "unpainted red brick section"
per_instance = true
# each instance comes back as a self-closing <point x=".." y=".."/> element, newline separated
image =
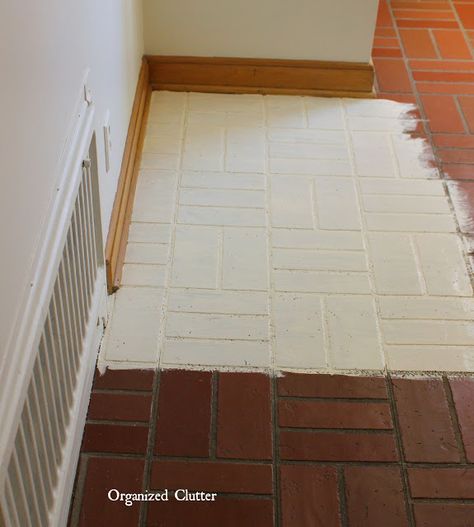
<point x="343" y="451"/>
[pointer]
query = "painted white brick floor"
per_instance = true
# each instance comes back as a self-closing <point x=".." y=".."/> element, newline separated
<point x="289" y="233"/>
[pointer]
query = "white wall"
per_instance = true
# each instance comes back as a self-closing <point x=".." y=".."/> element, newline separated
<point x="285" y="29"/>
<point x="46" y="46"/>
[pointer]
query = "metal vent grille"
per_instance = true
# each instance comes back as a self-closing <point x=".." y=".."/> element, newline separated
<point x="38" y="453"/>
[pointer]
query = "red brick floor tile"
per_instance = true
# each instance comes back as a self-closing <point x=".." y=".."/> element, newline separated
<point x="124" y="380"/>
<point x="466" y="14"/>
<point x="375" y="496"/>
<point x="309" y="496"/>
<point x="333" y="414"/>
<point x="443" y="515"/>
<point x="415" y="4"/>
<point x="443" y="76"/>
<point x="462" y="195"/>
<point x="445" y="87"/>
<point x="224" y="512"/>
<point x="455" y="155"/>
<point x="337" y="446"/>
<point x="442" y="113"/>
<point x="400" y="97"/>
<point x="463" y="395"/>
<point x="453" y="141"/>
<point x="467" y="108"/>
<point x="451" y="44"/>
<point x="455" y="483"/>
<point x="332" y="386"/>
<point x="441" y="65"/>
<point x="387" y="52"/>
<point x="103" y="474"/>
<point x="426" y="14"/>
<point x="428" y="24"/>
<point x="458" y="171"/>
<point x="392" y="75"/>
<point x="418" y="43"/>
<point x="425" y="421"/>
<point x="244" y="418"/>
<point x="120" y="406"/>
<point x="386" y="42"/>
<point x="184" y="414"/>
<point x="385" y="32"/>
<point x="213" y="476"/>
<point x="113" y="438"/>
<point x="383" y="16"/>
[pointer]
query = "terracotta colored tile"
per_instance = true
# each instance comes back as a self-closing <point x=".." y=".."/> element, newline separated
<point x="309" y="496"/>
<point x="402" y="97"/>
<point x="443" y="514"/>
<point x="212" y="476"/>
<point x="131" y="439"/>
<point x="463" y="395"/>
<point x="462" y="195"/>
<point x="451" y="44"/>
<point x="386" y="43"/>
<point x="337" y="446"/>
<point x="417" y="43"/>
<point x="120" y="407"/>
<point x="425" y="422"/>
<point x="375" y="496"/>
<point x="124" y="380"/>
<point x="428" y="24"/>
<point x="467" y="107"/>
<point x="443" y="76"/>
<point x="456" y="156"/>
<point x="386" y="52"/>
<point x="184" y="414"/>
<point x="453" y="141"/>
<point x="333" y="414"/>
<point x="104" y="474"/>
<point x="466" y="14"/>
<point x="420" y="5"/>
<point x="425" y="14"/>
<point x="444" y="87"/>
<point x="306" y="385"/>
<point x="385" y="32"/>
<point x="228" y="512"/>
<point x="392" y="75"/>
<point x="442" y="113"/>
<point x="441" y="482"/>
<point x="442" y="65"/>
<point x="244" y="420"/>
<point x="458" y="171"/>
<point x="383" y="16"/>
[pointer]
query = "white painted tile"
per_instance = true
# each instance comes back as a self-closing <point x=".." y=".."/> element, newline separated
<point x="430" y="358"/>
<point x="310" y="167"/>
<point x="353" y="335"/>
<point x="285" y="112"/>
<point x="196" y="257"/>
<point x="244" y="259"/>
<point x="379" y="108"/>
<point x="222" y="180"/>
<point x="217" y="326"/>
<point x="292" y="202"/>
<point x="443" y="265"/>
<point x="321" y="282"/>
<point x="413" y="157"/>
<point x="317" y="239"/>
<point x="204" y="148"/>
<point x="245" y="149"/>
<point x="243" y="217"/>
<point x="319" y="260"/>
<point x="410" y="204"/>
<point x="373" y="155"/>
<point x="410" y="187"/>
<point x="152" y="161"/>
<point x="410" y="222"/>
<point x="147" y="253"/>
<point x="226" y="302"/>
<point x="223" y="198"/>
<point x="307" y="151"/>
<point x="303" y="135"/>
<point x="162" y="144"/>
<point x="435" y="332"/>
<point x="144" y="275"/>
<point x="394" y="264"/>
<point x="434" y="308"/>
<point x="298" y="326"/>
<point x="155" y="196"/>
<point x="223" y="353"/>
<point x="324" y="114"/>
<point x="205" y="102"/>
<point x="337" y="204"/>
<point x="133" y="331"/>
<point x="149" y="232"/>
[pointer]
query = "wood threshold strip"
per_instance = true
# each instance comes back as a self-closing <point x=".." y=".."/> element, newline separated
<point x="217" y="75"/>
<point x="123" y="204"/>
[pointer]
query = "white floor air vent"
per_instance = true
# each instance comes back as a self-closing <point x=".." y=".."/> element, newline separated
<point x="38" y="467"/>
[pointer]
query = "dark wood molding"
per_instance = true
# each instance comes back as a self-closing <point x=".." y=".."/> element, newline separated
<point x="123" y="204"/>
<point x="267" y="76"/>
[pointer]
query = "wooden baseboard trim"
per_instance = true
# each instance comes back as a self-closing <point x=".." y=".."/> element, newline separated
<point x="123" y="204"/>
<point x="266" y="76"/>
